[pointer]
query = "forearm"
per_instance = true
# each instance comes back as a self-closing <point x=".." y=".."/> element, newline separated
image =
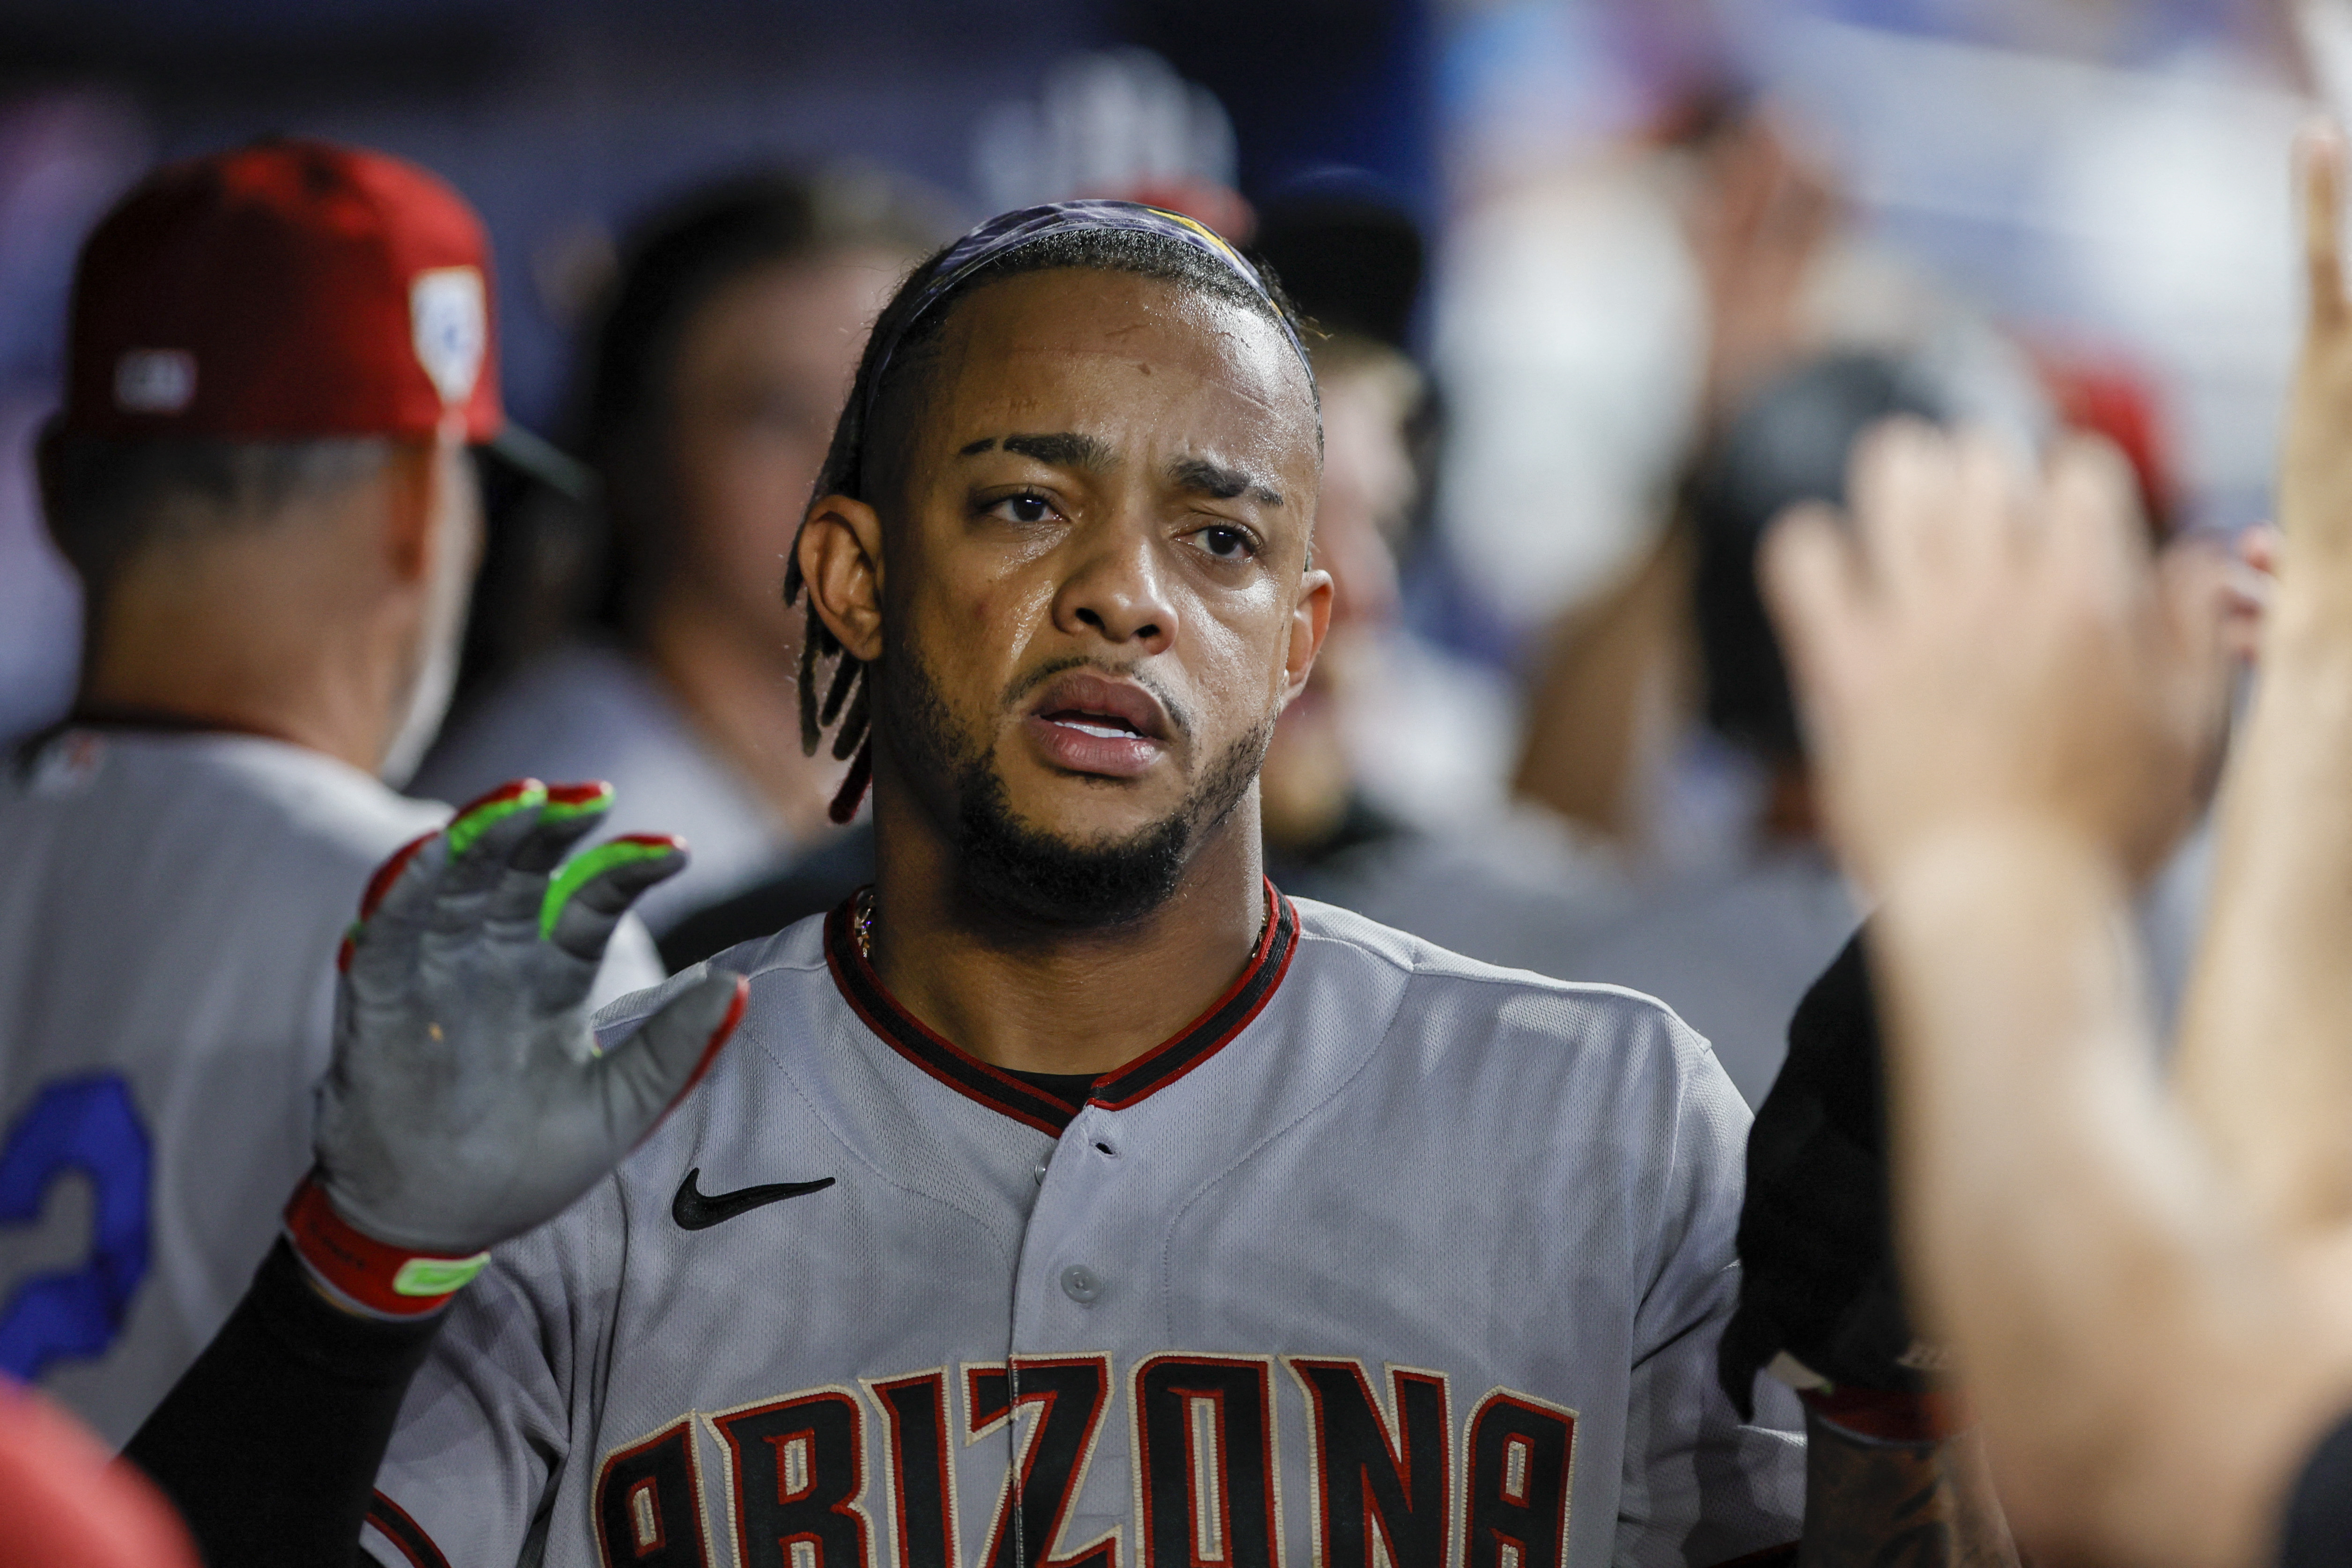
<point x="2267" y="1042"/>
<point x="270" y="1443"/>
<point x="2265" y="1058"/>
<point x="2144" y="1367"/>
<point x="1871" y="1504"/>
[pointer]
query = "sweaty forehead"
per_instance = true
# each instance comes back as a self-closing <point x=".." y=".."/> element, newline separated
<point x="1101" y="347"/>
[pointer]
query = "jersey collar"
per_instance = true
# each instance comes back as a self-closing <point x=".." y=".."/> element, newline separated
<point x="125" y="719"/>
<point x="1164" y="1064"/>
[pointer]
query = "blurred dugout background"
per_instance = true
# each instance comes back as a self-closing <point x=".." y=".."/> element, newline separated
<point x="1640" y="216"/>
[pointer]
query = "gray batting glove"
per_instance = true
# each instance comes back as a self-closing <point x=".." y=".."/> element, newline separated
<point x="467" y="1101"/>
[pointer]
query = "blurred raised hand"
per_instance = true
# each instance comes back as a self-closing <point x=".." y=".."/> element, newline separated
<point x="2013" y="703"/>
<point x="1981" y="643"/>
<point x="2265" y="1057"/>
<point x="2315" y="487"/>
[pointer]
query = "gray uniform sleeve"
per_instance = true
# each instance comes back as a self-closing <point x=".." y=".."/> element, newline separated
<point x="1702" y="1487"/>
<point x="487" y="1426"/>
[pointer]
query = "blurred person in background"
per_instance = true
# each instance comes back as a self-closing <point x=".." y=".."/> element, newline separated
<point x="1599" y="322"/>
<point x="1430" y="735"/>
<point x="713" y="383"/>
<point x="280" y="358"/>
<point x="1381" y="788"/>
<point x="1315" y="809"/>
<point x="1504" y="887"/>
<point x="1593" y="321"/>
<point x="1732" y="947"/>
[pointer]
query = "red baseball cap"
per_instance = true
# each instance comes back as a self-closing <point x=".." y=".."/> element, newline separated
<point x="287" y="290"/>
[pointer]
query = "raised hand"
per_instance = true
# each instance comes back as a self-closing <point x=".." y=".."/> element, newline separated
<point x="2314" y="491"/>
<point x="2264" y="1065"/>
<point x="467" y="1101"/>
<point x="2011" y="704"/>
<point x="1983" y="643"/>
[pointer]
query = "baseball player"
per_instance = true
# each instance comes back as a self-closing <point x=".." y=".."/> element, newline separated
<point x="279" y="355"/>
<point x="1069" y="1198"/>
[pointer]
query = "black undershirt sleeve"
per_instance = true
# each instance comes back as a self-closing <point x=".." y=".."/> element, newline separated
<point x="2318" y="1532"/>
<point x="270" y="1443"/>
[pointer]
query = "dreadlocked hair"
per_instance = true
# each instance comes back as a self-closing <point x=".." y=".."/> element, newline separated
<point x="899" y="353"/>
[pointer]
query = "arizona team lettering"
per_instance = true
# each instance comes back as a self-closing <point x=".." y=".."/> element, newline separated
<point x="1521" y="1453"/>
<point x="1207" y="1480"/>
<point x="649" y="1502"/>
<point x="1068" y="1394"/>
<point x="1382" y="1482"/>
<point x="922" y="1468"/>
<point x="1387" y="1485"/>
<point x="799" y="1471"/>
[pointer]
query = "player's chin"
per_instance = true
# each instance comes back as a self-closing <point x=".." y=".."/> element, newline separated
<point x="1082" y="808"/>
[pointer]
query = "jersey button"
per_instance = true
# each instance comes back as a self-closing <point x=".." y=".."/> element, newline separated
<point x="1078" y="1283"/>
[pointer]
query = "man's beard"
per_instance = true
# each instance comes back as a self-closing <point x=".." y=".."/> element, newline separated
<point x="1030" y="872"/>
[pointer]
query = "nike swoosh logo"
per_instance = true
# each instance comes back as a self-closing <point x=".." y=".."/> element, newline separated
<point x="695" y="1211"/>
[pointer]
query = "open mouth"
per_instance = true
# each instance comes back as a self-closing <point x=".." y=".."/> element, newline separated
<point x="1083" y="722"/>
<point x="1103" y="725"/>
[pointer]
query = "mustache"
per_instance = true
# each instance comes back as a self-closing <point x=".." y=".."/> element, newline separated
<point x="1180" y="721"/>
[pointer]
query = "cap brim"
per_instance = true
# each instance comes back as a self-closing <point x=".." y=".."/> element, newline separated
<point x="537" y="458"/>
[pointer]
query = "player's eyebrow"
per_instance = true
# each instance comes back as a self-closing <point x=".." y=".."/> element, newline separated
<point x="1220" y="480"/>
<point x="1062" y="449"/>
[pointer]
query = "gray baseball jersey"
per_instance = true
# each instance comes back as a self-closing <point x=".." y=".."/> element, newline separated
<point x="170" y="907"/>
<point x="1390" y="1260"/>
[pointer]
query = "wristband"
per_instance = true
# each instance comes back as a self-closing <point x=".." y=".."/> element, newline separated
<point x="1885" y="1417"/>
<point x="363" y="1273"/>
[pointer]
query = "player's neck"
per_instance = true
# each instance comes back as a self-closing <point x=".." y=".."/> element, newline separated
<point x="1040" y="999"/>
<point x="223" y="637"/>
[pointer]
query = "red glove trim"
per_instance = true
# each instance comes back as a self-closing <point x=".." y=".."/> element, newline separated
<point x="1890" y="1417"/>
<point x="378" y="886"/>
<point x="365" y="1274"/>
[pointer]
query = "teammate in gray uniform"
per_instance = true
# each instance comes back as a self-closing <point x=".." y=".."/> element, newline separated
<point x="1071" y="1197"/>
<point x="280" y="355"/>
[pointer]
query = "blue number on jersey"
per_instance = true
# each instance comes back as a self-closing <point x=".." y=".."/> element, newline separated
<point x="86" y="1124"/>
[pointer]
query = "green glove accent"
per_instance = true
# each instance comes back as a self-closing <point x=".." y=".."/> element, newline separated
<point x="479" y="818"/>
<point x="586" y="866"/>
<point x="438" y="1276"/>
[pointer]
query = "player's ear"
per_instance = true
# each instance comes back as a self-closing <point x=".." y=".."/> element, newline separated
<point x="408" y="489"/>
<point x="1310" y="620"/>
<point x="840" y="560"/>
